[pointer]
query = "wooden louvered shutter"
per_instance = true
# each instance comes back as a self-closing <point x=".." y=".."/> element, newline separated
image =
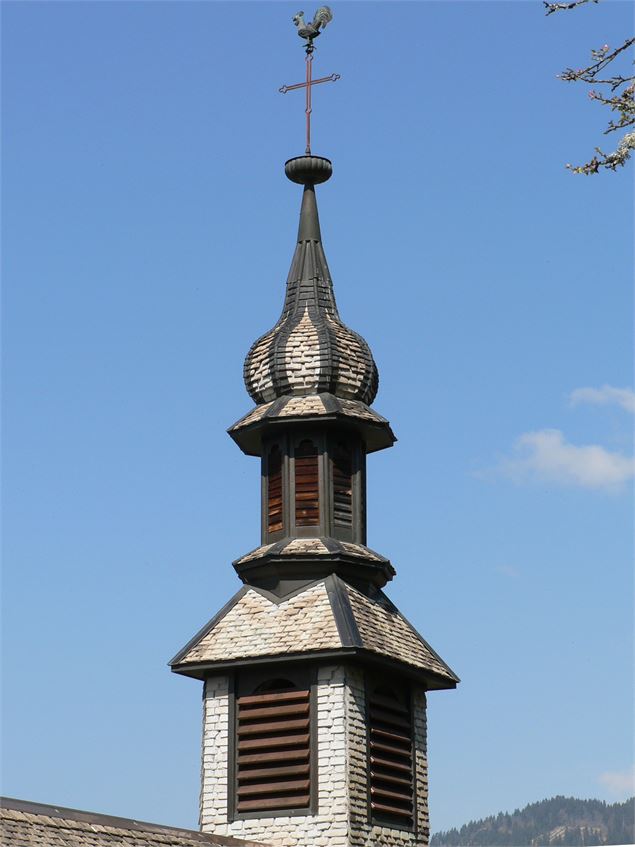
<point x="273" y="766"/>
<point x="274" y="489"/>
<point x="307" y="490"/>
<point x="391" y="759"/>
<point x="342" y="485"/>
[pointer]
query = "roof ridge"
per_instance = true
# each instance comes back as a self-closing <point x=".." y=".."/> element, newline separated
<point x="384" y="602"/>
<point x="342" y="611"/>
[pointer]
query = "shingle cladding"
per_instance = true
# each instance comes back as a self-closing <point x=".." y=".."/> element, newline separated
<point x="311" y="547"/>
<point x="312" y="405"/>
<point x="257" y="626"/>
<point x="25" y="824"/>
<point x="384" y="630"/>
<point x="310" y="350"/>
<point x="321" y="408"/>
<point x="328" y="615"/>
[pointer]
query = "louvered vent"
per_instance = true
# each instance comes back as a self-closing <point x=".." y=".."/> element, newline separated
<point x="274" y="489"/>
<point x="307" y="493"/>
<point x="342" y="486"/>
<point x="391" y="772"/>
<point x="274" y="751"/>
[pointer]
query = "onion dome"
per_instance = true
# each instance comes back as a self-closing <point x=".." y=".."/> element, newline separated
<point x="310" y="350"/>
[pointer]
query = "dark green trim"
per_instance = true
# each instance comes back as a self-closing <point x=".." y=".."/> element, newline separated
<point x="375" y="435"/>
<point x="342" y="612"/>
<point x="430" y="680"/>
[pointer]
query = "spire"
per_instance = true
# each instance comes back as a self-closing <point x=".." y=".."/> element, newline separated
<point x="310" y="350"/>
<point x="309" y="229"/>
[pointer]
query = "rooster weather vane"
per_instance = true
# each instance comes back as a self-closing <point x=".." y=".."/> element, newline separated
<point x="309" y="32"/>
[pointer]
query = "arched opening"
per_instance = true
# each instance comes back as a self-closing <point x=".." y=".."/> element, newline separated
<point x="274" y="490"/>
<point x="391" y="765"/>
<point x="273" y="748"/>
<point x="342" y="467"/>
<point x="307" y="488"/>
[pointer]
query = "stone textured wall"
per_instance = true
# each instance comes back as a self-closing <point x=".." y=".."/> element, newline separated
<point x="342" y="817"/>
<point x="213" y="800"/>
<point x="421" y="760"/>
<point x="329" y="828"/>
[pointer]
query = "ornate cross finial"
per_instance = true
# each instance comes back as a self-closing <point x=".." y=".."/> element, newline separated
<point x="310" y="31"/>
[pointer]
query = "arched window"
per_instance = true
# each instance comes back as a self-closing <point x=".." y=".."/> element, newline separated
<point x="273" y="748"/>
<point x="274" y="489"/>
<point x="307" y="490"/>
<point x="342" y="464"/>
<point x="391" y="757"/>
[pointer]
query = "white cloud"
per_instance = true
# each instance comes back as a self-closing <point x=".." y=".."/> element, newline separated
<point x="546" y="456"/>
<point x="508" y="570"/>
<point x="605" y="396"/>
<point x="619" y="783"/>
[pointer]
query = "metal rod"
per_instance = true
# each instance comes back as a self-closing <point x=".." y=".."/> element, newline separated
<point x="309" y="63"/>
<point x="331" y="78"/>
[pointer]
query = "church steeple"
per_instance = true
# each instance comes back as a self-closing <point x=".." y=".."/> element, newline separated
<point x="310" y="350"/>
<point x="313" y="379"/>
<point x="314" y="723"/>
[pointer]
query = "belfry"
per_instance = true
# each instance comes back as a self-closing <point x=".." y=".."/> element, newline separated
<point x="314" y="720"/>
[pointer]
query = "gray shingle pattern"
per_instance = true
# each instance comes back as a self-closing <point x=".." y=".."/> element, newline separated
<point x="69" y="828"/>
<point x="310" y="349"/>
<point x="313" y="405"/>
<point x="328" y="615"/>
<point x="383" y="630"/>
<point x="311" y="547"/>
<point x="256" y="626"/>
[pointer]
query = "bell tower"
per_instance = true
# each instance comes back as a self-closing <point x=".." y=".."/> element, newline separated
<point x="314" y="703"/>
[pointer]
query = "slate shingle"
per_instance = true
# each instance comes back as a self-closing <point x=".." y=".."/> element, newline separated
<point x="24" y="824"/>
<point x="257" y="623"/>
<point x="310" y="349"/>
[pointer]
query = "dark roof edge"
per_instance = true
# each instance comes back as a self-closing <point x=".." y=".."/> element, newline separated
<point x="342" y="612"/>
<point x="433" y="680"/>
<point x="208" y="626"/>
<point x="51" y="811"/>
<point x="422" y="639"/>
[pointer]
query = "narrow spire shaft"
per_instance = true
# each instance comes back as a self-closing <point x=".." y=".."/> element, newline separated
<point x="309" y="229"/>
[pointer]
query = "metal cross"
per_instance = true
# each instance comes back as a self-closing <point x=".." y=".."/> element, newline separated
<point x="308" y="84"/>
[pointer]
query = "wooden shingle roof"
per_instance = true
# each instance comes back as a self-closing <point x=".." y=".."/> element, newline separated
<point x="310" y="350"/>
<point x="327" y="618"/>
<point x="24" y="824"/>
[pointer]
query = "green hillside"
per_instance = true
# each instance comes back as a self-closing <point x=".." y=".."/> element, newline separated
<point x="549" y="823"/>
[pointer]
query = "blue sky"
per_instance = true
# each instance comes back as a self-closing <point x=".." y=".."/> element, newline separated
<point x="148" y="229"/>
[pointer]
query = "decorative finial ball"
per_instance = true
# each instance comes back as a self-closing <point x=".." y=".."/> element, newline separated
<point x="308" y="170"/>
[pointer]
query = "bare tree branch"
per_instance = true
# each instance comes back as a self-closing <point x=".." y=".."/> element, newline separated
<point x="603" y="56"/>
<point x="619" y="96"/>
<point x="559" y="7"/>
<point x="608" y="161"/>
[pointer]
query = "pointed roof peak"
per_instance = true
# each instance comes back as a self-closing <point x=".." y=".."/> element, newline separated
<point x="310" y="350"/>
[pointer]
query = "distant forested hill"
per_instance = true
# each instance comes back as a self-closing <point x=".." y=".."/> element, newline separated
<point x="559" y="821"/>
